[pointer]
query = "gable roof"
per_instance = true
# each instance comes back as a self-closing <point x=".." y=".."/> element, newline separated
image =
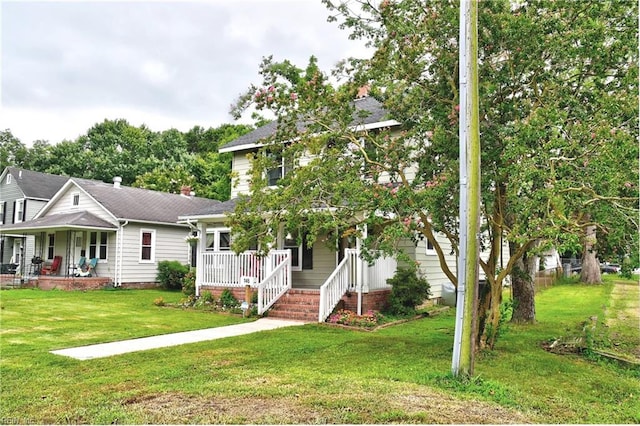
<point x="136" y="204"/>
<point x="377" y="117"/>
<point x="37" y="185"/>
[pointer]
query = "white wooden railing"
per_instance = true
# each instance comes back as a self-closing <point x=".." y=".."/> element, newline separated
<point x="275" y="284"/>
<point x="227" y="269"/>
<point x="342" y="278"/>
<point x="354" y="274"/>
<point x="383" y="269"/>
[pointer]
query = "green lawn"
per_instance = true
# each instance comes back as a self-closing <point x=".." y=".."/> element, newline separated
<point x="309" y="374"/>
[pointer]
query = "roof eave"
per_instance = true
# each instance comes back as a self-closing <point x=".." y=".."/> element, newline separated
<point x="357" y="128"/>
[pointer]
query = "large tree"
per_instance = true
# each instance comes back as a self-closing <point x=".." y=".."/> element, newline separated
<point x="12" y="151"/>
<point x="559" y="129"/>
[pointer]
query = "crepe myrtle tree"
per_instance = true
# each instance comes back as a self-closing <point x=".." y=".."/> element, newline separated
<point x="558" y="120"/>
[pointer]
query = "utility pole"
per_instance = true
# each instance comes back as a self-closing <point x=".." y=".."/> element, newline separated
<point x="467" y="293"/>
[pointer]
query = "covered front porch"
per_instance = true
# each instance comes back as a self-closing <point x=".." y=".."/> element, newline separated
<point x="271" y="276"/>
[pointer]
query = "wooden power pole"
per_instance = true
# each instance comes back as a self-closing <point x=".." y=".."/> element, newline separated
<point x="467" y="293"/>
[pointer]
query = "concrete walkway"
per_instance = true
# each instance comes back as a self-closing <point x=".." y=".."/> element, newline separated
<point x="174" y="339"/>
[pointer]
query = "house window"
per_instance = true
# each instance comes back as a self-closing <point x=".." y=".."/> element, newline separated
<point x="98" y="245"/>
<point x="282" y="168"/>
<point x="147" y="246"/>
<point x="3" y="208"/>
<point x="76" y="200"/>
<point x="291" y="243"/>
<point x="8" y="178"/>
<point x="51" y="244"/>
<point x="218" y="240"/>
<point x="430" y="249"/>
<point x="19" y="212"/>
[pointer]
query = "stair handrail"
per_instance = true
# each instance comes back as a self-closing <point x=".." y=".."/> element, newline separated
<point x="275" y="284"/>
<point x="336" y="285"/>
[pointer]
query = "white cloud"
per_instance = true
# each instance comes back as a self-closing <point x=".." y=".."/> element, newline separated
<point x="67" y="65"/>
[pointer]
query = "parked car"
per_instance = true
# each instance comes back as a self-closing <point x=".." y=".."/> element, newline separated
<point x="609" y="268"/>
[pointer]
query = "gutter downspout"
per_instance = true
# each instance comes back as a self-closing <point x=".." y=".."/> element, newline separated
<point x="119" y="251"/>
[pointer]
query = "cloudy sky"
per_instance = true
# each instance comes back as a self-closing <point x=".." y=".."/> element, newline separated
<point x="66" y="65"/>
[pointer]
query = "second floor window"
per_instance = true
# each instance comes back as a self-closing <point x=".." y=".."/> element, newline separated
<point x="19" y="212"/>
<point x="76" y="200"/>
<point x="3" y="208"/>
<point x="279" y="171"/>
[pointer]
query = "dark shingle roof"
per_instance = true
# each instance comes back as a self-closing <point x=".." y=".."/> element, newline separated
<point x="142" y="204"/>
<point x="37" y="185"/>
<point x="219" y="209"/>
<point x="376" y="111"/>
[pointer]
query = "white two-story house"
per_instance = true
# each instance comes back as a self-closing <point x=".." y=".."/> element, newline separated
<point x="23" y="193"/>
<point x="293" y="271"/>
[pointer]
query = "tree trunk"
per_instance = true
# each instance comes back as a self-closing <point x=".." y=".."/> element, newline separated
<point x="523" y="286"/>
<point x="590" y="273"/>
<point x="491" y="317"/>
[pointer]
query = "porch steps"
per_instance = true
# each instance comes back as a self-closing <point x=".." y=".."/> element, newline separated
<point x="297" y="304"/>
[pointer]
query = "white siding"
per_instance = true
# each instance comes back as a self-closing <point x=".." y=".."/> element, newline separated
<point x="64" y="204"/>
<point x="169" y="245"/>
<point x="241" y="168"/>
<point x="324" y="262"/>
<point x="430" y="264"/>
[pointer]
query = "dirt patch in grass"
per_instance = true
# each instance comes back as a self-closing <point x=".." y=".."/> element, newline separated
<point x="413" y="405"/>
<point x="625" y="299"/>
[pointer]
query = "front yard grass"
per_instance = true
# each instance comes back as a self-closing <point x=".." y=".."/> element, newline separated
<point x="308" y="374"/>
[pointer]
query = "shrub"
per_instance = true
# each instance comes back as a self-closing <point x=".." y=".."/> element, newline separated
<point x="228" y="300"/>
<point x="189" y="284"/>
<point x="171" y="273"/>
<point x="408" y="291"/>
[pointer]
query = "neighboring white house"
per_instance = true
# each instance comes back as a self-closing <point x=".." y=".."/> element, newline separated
<point x="22" y="194"/>
<point x="129" y="230"/>
<point x="316" y="268"/>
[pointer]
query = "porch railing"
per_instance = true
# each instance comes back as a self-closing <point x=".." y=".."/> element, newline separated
<point x="342" y="278"/>
<point x="383" y="269"/>
<point x="346" y="277"/>
<point x="275" y="284"/>
<point x="227" y="269"/>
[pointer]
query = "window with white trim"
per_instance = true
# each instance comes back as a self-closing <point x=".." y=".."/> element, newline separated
<point x="291" y="242"/>
<point x="76" y="200"/>
<point x="282" y="168"/>
<point x="51" y="246"/>
<point x="3" y="209"/>
<point x="8" y="178"/>
<point x="147" y="245"/>
<point x="98" y="245"/>
<point x="19" y="213"/>
<point x="218" y="240"/>
<point x="430" y="248"/>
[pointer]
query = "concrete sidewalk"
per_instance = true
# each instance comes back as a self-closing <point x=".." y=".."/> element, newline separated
<point x="103" y="350"/>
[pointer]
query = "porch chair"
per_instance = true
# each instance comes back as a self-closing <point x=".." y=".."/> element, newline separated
<point x="89" y="270"/>
<point x="53" y="268"/>
<point x="81" y="266"/>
